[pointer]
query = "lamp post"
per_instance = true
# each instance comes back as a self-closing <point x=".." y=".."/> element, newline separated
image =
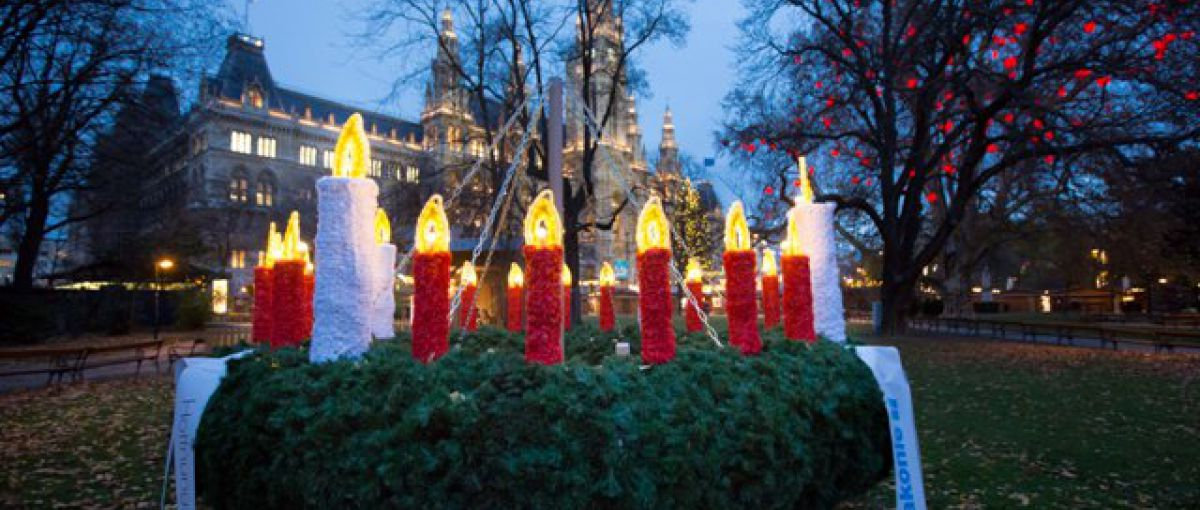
<point x="159" y="267"/>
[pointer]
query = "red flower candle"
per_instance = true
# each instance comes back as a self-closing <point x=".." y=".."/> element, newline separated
<point x="770" y="289"/>
<point x="608" y="279"/>
<point x="566" y="282"/>
<point x="797" y="286"/>
<point x="515" y="294"/>
<point x="288" y="290"/>
<point x="260" y="329"/>
<point x="467" y="313"/>
<point x="543" y="266"/>
<point x="695" y="286"/>
<point x="431" y="283"/>
<point x="740" y="297"/>
<point x="654" y="282"/>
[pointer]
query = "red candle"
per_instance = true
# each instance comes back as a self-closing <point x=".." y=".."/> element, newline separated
<point x="309" y="283"/>
<point x="695" y="285"/>
<point x="740" y="297"/>
<point x="654" y="283"/>
<point x="607" y="280"/>
<point x="467" y="313"/>
<point x="798" y="322"/>
<point x="543" y="268"/>
<point x="770" y="289"/>
<point x="288" y="290"/>
<point x="260" y="331"/>
<point x="515" y="291"/>
<point x="566" y="282"/>
<point x="431" y="283"/>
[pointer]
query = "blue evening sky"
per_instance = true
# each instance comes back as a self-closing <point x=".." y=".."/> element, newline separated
<point x="308" y="47"/>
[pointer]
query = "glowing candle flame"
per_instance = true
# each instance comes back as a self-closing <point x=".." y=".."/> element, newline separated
<point x="275" y="250"/>
<point x="543" y="228"/>
<point x="467" y="276"/>
<point x="566" y="276"/>
<point x="806" y="191"/>
<point x="608" y="277"/>
<point x="652" y="229"/>
<point x="791" y="242"/>
<point x="516" y="277"/>
<point x="308" y="265"/>
<point x="434" y="232"/>
<point x="694" y="273"/>
<point x="268" y="259"/>
<point x="737" y="232"/>
<point x="383" y="227"/>
<point x="352" y="152"/>
<point x="291" y="238"/>
<point x="768" y="263"/>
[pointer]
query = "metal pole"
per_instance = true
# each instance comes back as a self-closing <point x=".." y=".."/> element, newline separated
<point x="554" y="141"/>
<point x="157" y="290"/>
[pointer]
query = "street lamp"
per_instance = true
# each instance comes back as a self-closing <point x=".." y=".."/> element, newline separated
<point x="159" y="267"/>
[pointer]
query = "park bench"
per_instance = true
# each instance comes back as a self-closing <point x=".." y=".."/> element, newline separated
<point x="53" y="361"/>
<point x="118" y="354"/>
<point x="183" y="349"/>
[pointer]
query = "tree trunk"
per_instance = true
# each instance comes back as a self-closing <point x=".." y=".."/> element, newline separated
<point x="31" y="244"/>
<point x="896" y="297"/>
<point x="571" y="258"/>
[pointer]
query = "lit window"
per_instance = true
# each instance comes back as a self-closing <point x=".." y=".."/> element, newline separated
<point x="254" y="97"/>
<point x="266" y="146"/>
<point x="237" y="259"/>
<point x="413" y="174"/>
<point x="239" y="141"/>
<point x="238" y="189"/>
<point x="264" y="193"/>
<point x="327" y="159"/>
<point x="308" y="155"/>
<point x="376" y="168"/>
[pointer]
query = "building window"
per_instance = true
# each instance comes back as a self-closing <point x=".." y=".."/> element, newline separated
<point x="264" y="192"/>
<point x="239" y="141"/>
<point x="327" y="159"/>
<point x="239" y="188"/>
<point x="376" y="168"/>
<point x="266" y="146"/>
<point x="254" y="97"/>
<point x="413" y="174"/>
<point x="237" y="259"/>
<point x="308" y="155"/>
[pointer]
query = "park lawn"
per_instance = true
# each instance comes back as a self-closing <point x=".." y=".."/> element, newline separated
<point x="1002" y="425"/>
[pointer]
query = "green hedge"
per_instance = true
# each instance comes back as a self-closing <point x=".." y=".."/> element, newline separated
<point x="796" y="427"/>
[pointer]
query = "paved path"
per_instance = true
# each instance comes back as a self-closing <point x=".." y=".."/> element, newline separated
<point x="1053" y="340"/>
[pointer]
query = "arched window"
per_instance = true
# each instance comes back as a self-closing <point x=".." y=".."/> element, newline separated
<point x="239" y="187"/>
<point x="264" y="190"/>
<point x="254" y="97"/>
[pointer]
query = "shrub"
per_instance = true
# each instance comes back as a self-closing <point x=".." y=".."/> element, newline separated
<point x="194" y="311"/>
<point x="27" y="317"/>
<point x="795" y="427"/>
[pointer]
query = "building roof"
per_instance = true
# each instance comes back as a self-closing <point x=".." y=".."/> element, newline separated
<point x="245" y="66"/>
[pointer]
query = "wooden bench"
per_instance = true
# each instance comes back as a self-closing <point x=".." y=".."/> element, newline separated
<point x="118" y="354"/>
<point x="53" y="361"/>
<point x="183" y="349"/>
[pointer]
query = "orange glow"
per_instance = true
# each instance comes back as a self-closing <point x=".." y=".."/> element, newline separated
<point x="652" y="229"/>
<point x="806" y="191"/>
<point x="694" y="273"/>
<point x="737" y="232"/>
<point x="291" y="238"/>
<point x="543" y="227"/>
<point x="791" y="242"/>
<point x="768" y="263"/>
<point x="467" y="276"/>
<point x="608" y="277"/>
<point x="268" y="259"/>
<point x="566" y="276"/>
<point x="516" y="277"/>
<point x="383" y="227"/>
<point x="433" y="232"/>
<point x="352" y="152"/>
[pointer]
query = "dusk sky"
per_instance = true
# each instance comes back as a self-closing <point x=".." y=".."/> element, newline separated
<point x="309" y="47"/>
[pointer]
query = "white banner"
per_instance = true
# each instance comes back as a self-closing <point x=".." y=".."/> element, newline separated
<point x="897" y="400"/>
<point x="196" y="379"/>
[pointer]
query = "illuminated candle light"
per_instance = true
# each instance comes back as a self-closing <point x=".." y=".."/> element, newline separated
<point x="515" y="294"/>
<point x="543" y="281"/>
<point x="608" y="279"/>
<point x="815" y="220"/>
<point x="770" y="289"/>
<point x="468" y="315"/>
<point x="797" y="286"/>
<point x="346" y="280"/>
<point x="695" y="285"/>
<point x="288" y="291"/>
<point x="741" y="300"/>
<point x="260" y="329"/>
<point x="654" y="284"/>
<point x="431" y="283"/>
<point x="383" y="317"/>
<point x="566" y="282"/>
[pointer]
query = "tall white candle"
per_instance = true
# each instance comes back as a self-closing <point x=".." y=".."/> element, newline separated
<point x="347" y="256"/>
<point x="816" y="223"/>
<point x="384" y="313"/>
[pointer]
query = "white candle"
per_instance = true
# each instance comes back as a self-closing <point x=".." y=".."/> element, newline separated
<point x="816" y="223"/>
<point x="347" y="255"/>
<point x="384" y="312"/>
